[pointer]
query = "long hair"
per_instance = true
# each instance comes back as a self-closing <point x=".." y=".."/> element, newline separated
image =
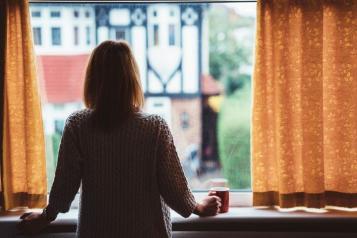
<point x="112" y="86"/>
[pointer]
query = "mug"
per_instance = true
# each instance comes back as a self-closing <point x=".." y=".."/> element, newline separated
<point x="223" y="194"/>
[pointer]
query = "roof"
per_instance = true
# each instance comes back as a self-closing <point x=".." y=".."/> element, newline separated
<point x="61" y="77"/>
<point x="210" y="86"/>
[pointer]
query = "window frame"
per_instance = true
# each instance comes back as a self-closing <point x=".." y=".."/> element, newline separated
<point x="238" y="198"/>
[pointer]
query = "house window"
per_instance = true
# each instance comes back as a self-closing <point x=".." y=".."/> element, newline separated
<point x="37" y="35"/>
<point x="56" y="36"/>
<point x="55" y="14"/>
<point x="172" y="35"/>
<point x="35" y="14"/>
<point x="88" y="35"/>
<point x="120" y="34"/>
<point x="156" y="35"/>
<point x="76" y="35"/>
<point x="87" y="14"/>
<point x="75" y="13"/>
<point x="185" y="120"/>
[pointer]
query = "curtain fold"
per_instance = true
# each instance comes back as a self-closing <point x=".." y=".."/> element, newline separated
<point x="305" y="104"/>
<point x="23" y="155"/>
<point x="2" y="64"/>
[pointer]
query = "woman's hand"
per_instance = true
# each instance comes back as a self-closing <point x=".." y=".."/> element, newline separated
<point x="32" y="223"/>
<point x="209" y="206"/>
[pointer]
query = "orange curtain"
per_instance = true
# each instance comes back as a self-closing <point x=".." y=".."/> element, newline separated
<point x="305" y="104"/>
<point x="23" y="156"/>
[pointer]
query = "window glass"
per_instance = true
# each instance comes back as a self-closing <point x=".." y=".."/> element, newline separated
<point x="195" y="62"/>
<point x="37" y="35"/>
<point x="75" y="13"/>
<point x="120" y="34"/>
<point x="35" y="14"/>
<point x="56" y="35"/>
<point x="88" y="35"/>
<point x="76" y="35"/>
<point x="172" y="34"/>
<point x="156" y="35"/>
<point x="55" y="14"/>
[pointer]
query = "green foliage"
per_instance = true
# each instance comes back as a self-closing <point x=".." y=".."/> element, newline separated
<point x="226" y="54"/>
<point x="52" y="146"/>
<point x="234" y="138"/>
<point x="56" y="140"/>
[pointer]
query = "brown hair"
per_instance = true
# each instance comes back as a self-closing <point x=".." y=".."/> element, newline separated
<point x="112" y="84"/>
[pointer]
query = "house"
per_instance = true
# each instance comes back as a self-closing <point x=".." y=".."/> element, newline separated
<point x="65" y="36"/>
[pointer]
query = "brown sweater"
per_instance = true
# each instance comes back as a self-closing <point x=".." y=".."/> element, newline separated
<point x="127" y="177"/>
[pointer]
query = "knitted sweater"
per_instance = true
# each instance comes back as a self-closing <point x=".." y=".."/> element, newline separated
<point x="128" y="177"/>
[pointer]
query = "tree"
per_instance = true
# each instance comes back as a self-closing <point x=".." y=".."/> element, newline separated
<point x="226" y="54"/>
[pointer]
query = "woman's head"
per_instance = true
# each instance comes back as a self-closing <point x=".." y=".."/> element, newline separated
<point x="112" y="84"/>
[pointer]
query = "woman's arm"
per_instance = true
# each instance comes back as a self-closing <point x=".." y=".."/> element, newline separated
<point x="172" y="181"/>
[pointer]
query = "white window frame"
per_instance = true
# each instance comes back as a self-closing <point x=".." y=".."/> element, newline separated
<point x="237" y="198"/>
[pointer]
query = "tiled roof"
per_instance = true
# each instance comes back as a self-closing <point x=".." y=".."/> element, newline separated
<point x="61" y="77"/>
<point x="210" y="86"/>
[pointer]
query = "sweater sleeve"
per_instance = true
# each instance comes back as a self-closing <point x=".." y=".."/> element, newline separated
<point x="171" y="179"/>
<point x="68" y="172"/>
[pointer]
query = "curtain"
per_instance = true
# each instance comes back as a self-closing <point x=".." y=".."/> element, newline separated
<point x="304" y="146"/>
<point x="23" y="153"/>
<point x="2" y="64"/>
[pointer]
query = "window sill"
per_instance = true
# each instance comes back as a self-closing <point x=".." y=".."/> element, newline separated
<point x="244" y="219"/>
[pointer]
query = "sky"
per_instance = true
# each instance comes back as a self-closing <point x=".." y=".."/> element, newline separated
<point x="244" y="9"/>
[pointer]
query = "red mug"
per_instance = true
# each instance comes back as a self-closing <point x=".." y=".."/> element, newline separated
<point x="223" y="194"/>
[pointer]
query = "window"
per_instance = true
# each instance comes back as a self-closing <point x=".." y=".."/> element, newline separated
<point x="37" y="35"/>
<point x="56" y="35"/>
<point x="55" y="14"/>
<point x="76" y="35"/>
<point x="88" y="36"/>
<point x="35" y="14"/>
<point x="120" y="34"/>
<point x="202" y="86"/>
<point x="75" y="13"/>
<point x="172" y="36"/>
<point x="156" y="35"/>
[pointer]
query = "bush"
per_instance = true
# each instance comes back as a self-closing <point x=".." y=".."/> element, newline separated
<point x="234" y="138"/>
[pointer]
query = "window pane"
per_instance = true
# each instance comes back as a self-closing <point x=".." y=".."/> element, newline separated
<point x="55" y="14"/>
<point x="195" y="61"/>
<point x="35" y="14"/>
<point x="76" y="14"/>
<point x="88" y="35"/>
<point x="76" y="35"/>
<point x="156" y="34"/>
<point x="56" y="35"/>
<point x="172" y="34"/>
<point x="37" y="35"/>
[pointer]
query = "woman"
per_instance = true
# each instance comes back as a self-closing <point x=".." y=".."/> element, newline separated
<point x="124" y="160"/>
